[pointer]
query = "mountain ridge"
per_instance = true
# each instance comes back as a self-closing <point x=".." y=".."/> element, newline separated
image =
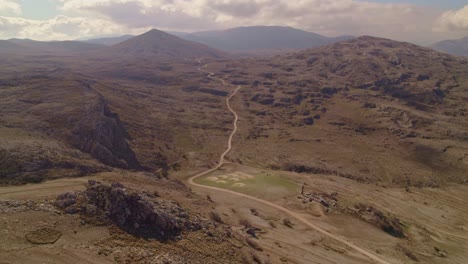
<point x="109" y="41"/>
<point x="260" y="38"/>
<point x="56" y="47"/>
<point x="457" y="47"/>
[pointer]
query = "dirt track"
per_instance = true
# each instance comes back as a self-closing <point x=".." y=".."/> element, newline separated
<point x="49" y="188"/>
<point x="286" y="211"/>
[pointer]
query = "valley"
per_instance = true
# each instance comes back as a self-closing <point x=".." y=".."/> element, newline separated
<point x="242" y="186"/>
<point x="162" y="150"/>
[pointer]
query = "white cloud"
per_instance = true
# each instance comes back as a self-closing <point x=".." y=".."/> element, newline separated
<point x="399" y="21"/>
<point x="57" y="28"/>
<point x="453" y="20"/>
<point x="395" y="20"/>
<point x="10" y="6"/>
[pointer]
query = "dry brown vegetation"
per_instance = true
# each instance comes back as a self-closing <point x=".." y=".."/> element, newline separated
<point x="364" y="118"/>
<point x="355" y="109"/>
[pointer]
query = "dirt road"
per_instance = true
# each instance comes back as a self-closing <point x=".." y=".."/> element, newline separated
<point x="295" y="215"/>
<point x="45" y="189"/>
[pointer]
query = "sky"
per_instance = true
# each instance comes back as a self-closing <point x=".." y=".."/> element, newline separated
<point x="417" y="21"/>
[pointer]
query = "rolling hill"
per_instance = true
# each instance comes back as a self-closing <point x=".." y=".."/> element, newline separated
<point x="332" y="109"/>
<point x="364" y="139"/>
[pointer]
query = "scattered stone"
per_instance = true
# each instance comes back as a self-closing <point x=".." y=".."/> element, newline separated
<point x="43" y="236"/>
<point x="10" y="206"/>
<point x="251" y="231"/>
<point x="65" y="200"/>
<point x="325" y="199"/>
<point x="440" y="253"/>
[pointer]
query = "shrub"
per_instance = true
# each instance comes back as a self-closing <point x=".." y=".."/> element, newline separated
<point x="216" y="217"/>
<point x="287" y="222"/>
<point x="245" y="223"/>
<point x="254" y="211"/>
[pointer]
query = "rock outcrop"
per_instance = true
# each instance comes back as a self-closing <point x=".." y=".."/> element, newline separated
<point x="137" y="213"/>
<point x="101" y="134"/>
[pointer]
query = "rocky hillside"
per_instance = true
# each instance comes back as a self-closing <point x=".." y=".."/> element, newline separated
<point x="352" y="108"/>
<point x="54" y="124"/>
<point x="85" y="115"/>
<point x="356" y="109"/>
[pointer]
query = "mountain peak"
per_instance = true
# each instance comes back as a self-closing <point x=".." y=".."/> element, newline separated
<point x="164" y="45"/>
<point x="156" y="32"/>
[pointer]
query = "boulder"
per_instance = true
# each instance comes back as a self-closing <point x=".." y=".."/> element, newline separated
<point x="134" y="212"/>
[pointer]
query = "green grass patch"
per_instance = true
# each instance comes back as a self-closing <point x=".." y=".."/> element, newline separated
<point x="260" y="185"/>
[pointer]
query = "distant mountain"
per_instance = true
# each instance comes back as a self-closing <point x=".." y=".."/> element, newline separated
<point x="156" y="43"/>
<point x="109" y="41"/>
<point x="455" y="47"/>
<point x="55" y="47"/>
<point x="8" y="47"/>
<point x="260" y="38"/>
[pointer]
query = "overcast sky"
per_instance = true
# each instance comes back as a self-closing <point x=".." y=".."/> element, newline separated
<point x="419" y="21"/>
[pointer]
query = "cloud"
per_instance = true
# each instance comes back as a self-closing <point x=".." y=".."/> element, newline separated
<point x="396" y="20"/>
<point x="453" y="20"/>
<point x="246" y="8"/>
<point x="400" y="21"/>
<point x="57" y="28"/>
<point x="10" y="6"/>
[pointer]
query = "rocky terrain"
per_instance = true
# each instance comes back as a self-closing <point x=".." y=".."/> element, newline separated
<point x="142" y="215"/>
<point x="63" y="124"/>
<point x="103" y="221"/>
<point x="367" y="96"/>
<point x="375" y="128"/>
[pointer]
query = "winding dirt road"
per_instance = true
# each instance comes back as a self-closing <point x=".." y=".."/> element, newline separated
<point x="295" y="215"/>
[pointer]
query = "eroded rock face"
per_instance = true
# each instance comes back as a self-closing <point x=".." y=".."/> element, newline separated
<point x="102" y="135"/>
<point x="137" y="213"/>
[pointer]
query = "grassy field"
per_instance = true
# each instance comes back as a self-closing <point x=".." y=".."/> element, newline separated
<point x="264" y="185"/>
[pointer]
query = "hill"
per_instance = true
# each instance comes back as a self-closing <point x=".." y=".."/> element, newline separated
<point x="8" y="47"/>
<point x="55" y="47"/>
<point x="260" y="39"/>
<point x="156" y="43"/>
<point x="366" y="134"/>
<point x="457" y="47"/>
<point x="353" y="108"/>
<point x="109" y="41"/>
